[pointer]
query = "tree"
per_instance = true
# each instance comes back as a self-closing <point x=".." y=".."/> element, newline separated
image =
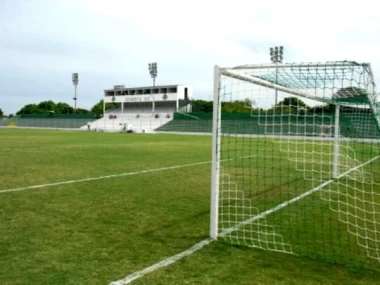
<point x="1" y="113"/>
<point x="29" y="109"/>
<point x="63" y="108"/>
<point x="292" y="105"/>
<point x="46" y="107"/>
<point x="236" y="107"/>
<point x="98" y="107"/>
<point x="82" y="111"/>
<point x="325" y="109"/>
<point x="202" y="106"/>
<point x="292" y="102"/>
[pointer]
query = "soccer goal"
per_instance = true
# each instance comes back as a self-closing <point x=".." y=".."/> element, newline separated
<point x="297" y="169"/>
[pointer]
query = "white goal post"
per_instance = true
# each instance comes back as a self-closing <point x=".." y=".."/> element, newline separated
<point x="300" y="175"/>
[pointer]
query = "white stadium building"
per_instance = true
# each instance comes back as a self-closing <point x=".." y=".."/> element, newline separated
<point x="145" y="108"/>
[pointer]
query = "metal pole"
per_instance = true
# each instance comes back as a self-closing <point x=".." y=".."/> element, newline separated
<point x="104" y="113"/>
<point x="153" y="104"/>
<point x="75" y="99"/>
<point x="75" y="82"/>
<point x="335" y="173"/>
<point x="214" y="211"/>
<point x="104" y="107"/>
<point x="264" y="83"/>
<point x="276" y="94"/>
<point x="294" y="65"/>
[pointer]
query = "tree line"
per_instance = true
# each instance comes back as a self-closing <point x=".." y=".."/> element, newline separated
<point x="289" y="105"/>
<point x="46" y="107"/>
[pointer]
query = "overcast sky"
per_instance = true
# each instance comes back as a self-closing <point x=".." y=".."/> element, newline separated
<point x="110" y="42"/>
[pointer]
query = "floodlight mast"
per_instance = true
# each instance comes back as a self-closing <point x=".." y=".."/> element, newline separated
<point x="153" y="71"/>
<point x="75" y="82"/>
<point x="276" y="56"/>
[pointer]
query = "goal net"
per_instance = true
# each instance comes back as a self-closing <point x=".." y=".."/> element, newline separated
<point x="297" y="169"/>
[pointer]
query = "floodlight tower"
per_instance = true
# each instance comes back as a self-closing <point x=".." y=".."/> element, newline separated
<point x="276" y="56"/>
<point x="75" y="82"/>
<point x="153" y="71"/>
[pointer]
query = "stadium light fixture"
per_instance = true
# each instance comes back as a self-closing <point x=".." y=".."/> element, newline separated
<point x="276" y="56"/>
<point x="75" y="82"/>
<point x="153" y="71"/>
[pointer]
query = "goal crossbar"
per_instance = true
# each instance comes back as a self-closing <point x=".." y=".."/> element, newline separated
<point x="300" y="65"/>
<point x="268" y="84"/>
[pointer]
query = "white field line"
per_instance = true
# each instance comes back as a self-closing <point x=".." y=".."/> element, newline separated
<point x="103" y="177"/>
<point x="162" y="263"/>
<point x="128" y="279"/>
<point x="112" y="176"/>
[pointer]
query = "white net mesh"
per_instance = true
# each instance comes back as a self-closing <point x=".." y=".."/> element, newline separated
<point x="297" y="173"/>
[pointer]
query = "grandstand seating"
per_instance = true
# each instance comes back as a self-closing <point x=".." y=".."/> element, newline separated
<point x="142" y="122"/>
<point x="139" y="110"/>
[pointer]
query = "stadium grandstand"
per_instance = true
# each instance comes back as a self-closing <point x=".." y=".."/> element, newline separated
<point x="138" y="109"/>
<point x="145" y="108"/>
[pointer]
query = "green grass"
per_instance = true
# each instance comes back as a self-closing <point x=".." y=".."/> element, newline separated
<point x="99" y="231"/>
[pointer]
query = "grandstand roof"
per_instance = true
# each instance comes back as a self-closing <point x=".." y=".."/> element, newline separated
<point x="148" y="87"/>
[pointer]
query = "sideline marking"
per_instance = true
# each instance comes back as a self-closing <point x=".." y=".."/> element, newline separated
<point x="115" y="175"/>
<point x="128" y="279"/>
<point x="102" y="177"/>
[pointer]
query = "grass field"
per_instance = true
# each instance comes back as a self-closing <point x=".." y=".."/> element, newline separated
<point x="111" y="204"/>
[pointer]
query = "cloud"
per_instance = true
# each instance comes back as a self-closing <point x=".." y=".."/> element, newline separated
<point x="111" y="42"/>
